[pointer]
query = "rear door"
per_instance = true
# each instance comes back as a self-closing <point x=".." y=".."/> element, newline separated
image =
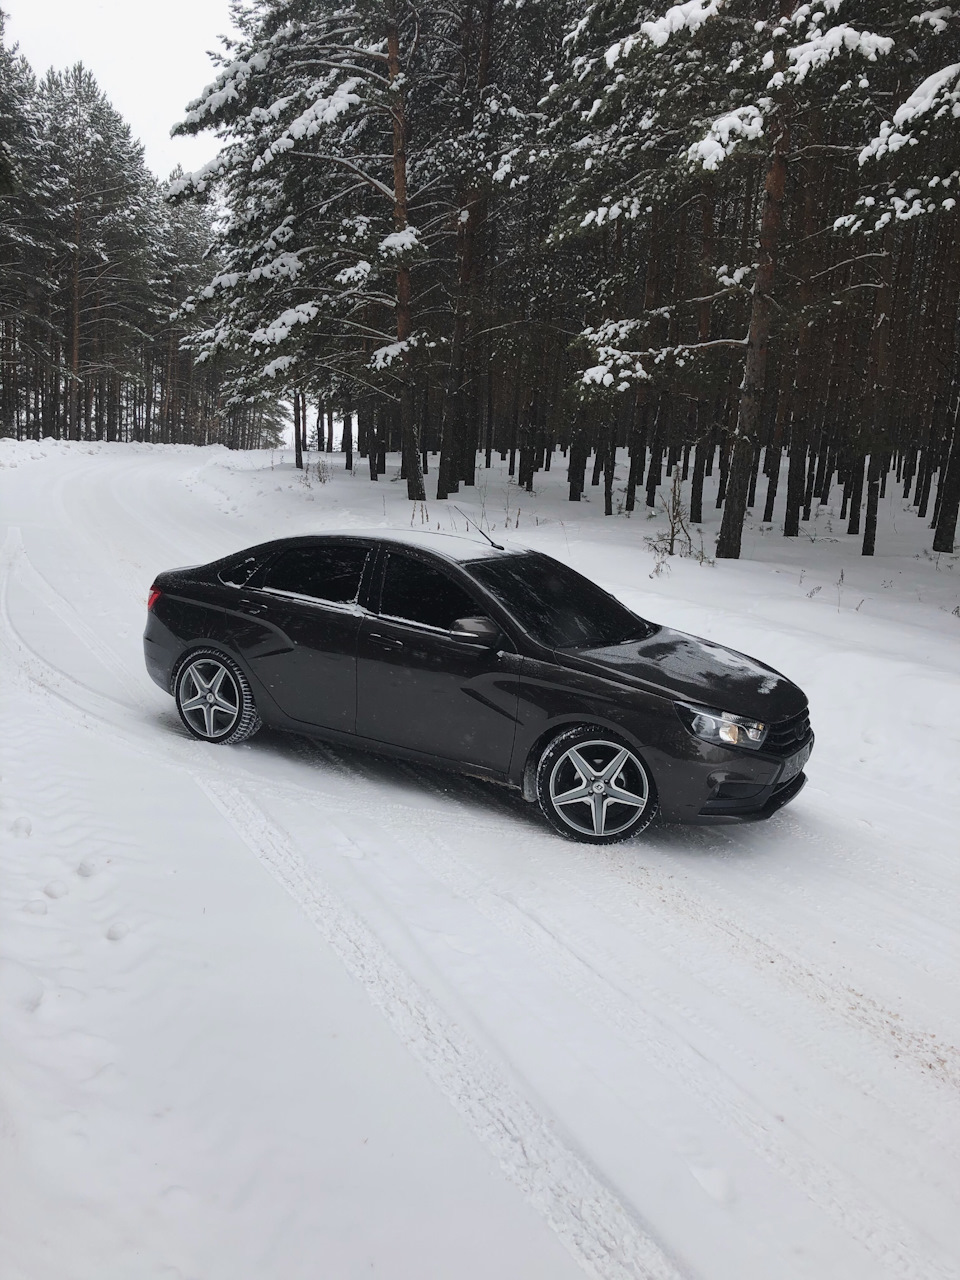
<point x="305" y="603"/>
<point x="419" y="686"/>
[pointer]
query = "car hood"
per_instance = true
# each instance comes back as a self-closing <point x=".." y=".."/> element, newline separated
<point x="684" y="666"/>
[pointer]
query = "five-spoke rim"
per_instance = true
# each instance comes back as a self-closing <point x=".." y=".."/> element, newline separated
<point x="599" y="788"/>
<point x="209" y="697"/>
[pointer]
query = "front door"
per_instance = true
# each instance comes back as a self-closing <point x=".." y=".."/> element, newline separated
<point x="418" y="685"/>
<point x="307" y="654"/>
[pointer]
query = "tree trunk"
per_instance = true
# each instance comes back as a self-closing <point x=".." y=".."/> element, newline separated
<point x="372" y="445"/>
<point x="754" y="472"/>
<point x="638" y="450"/>
<point x="346" y="438"/>
<point x="855" y="488"/>
<point x="297" y="432"/>
<point x="577" y="466"/>
<point x="409" y="434"/>
<point x="774" y="452"/>
<point x="878" y="398"/>
<point x="755" y="365"/>
<point x="873" y="502"/>
<point x="811" y="480"/>
<point x="949" y="497"/>
<point x="74" y="402"/>
<point x="609" y="467"/>
<point x="654" y="473"/>
<point x="703" y="447"/>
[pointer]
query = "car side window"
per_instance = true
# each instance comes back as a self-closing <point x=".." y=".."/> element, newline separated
<point x="417" y="592"/>
<point x="238" y="572"/>
<point x="319" y="573"/>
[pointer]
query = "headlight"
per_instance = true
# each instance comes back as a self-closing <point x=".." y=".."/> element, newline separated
<point x="722" y="727"/>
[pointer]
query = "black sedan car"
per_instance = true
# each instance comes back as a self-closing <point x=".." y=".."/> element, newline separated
<point x="498" y="662"/>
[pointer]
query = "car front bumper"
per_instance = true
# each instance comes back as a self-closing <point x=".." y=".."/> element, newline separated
<point x="716" y="785"/>
<point x="753" y="808"/>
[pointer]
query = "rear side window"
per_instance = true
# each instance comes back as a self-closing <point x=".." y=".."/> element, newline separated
<point x="239" y="571"/>
<point x="319" y="573"/>
<point x="417" y="592"/>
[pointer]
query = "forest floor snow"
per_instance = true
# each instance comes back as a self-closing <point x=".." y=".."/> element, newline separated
<point x="283" y="1010"/>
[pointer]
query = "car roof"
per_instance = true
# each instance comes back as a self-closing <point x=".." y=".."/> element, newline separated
<point x="452" y="546"/>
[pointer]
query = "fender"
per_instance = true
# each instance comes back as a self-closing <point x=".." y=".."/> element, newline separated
<point x="554" y="697"/>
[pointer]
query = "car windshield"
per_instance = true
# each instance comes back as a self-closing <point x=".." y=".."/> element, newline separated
<point x="555" y="605"/>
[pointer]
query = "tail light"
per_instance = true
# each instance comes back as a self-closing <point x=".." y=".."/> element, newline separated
<point x="152" y="598"/>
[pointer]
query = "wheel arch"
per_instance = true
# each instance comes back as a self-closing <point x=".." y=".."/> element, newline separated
<point x="201" y="645"/>
<point x="183" y="657"/>
<point x="528" y="770"/>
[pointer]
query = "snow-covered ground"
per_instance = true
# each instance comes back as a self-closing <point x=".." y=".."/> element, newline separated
<point x="283" y="1011"/>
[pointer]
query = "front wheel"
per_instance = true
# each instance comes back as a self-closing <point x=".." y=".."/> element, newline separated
<point x="215" y="700"/>
<point x="593" y="787"/>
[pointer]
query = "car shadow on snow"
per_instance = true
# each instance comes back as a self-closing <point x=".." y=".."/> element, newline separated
<point x="284" y="756"/>
<point x="276" y="757"/>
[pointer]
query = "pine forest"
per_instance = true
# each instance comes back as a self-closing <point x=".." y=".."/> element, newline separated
<point x="712" y="238"/>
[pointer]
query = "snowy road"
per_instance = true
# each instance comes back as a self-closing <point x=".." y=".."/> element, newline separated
<point x="289" y="1011"/>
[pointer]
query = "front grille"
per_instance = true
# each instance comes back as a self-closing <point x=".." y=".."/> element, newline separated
<point x="787" y="736"/>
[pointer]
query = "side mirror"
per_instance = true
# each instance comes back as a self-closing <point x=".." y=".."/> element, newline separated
<point x="481" y="630"/>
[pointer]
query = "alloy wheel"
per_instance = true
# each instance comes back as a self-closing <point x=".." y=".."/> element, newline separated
<point x="599" y="788"/>
<point x="209" y="698"/>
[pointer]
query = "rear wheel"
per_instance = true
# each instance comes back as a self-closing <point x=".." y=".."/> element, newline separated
<point x="215" y="700"/>
<point x="594" y="787"/>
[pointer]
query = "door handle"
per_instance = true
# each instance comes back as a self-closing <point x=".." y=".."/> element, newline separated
<point x="252" y="606"/>
<point x="384" y="642"/>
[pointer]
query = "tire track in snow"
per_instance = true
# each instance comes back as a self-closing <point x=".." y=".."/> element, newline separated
<point x="593" y="1223"/>
<point x="66" y="613"/>
<point x="585" y="972"/>
<point x="37" y="666"/>
<point x="106" y="549"/>
<point x="477" y="801"/>
<point x="844" y="1002"/>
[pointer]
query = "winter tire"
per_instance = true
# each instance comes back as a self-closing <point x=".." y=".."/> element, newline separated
<point x="594" y="787"/>
<point x="215" y="700"/>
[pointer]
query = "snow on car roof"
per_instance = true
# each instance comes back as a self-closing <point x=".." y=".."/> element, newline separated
<point x="453" y="546"/>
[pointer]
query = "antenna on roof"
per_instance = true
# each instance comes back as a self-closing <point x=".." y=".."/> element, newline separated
<point x="479" y="530"/>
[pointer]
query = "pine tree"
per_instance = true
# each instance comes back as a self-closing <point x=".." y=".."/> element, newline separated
<point x="23" y="238"/>
<point x="734" y="99"/>
<point x="315" y="174"/>
<point x="101" y="207"/>
<point x="912" y="165"/>
<point x="92" y="267"/>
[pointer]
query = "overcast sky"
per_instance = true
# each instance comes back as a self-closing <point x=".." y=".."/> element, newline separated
<point x="149" y="58"/>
